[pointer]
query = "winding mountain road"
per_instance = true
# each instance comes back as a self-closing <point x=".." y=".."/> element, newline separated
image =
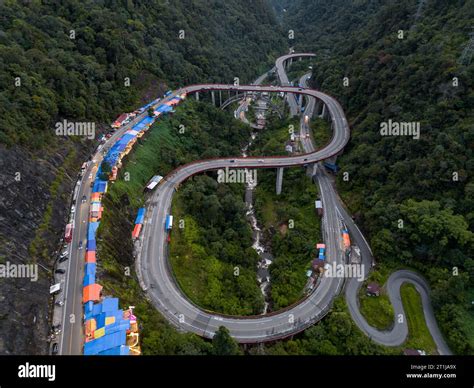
<point x="156" y="276"/>
<point x="397" y="335"/>
<point x="153" y="267"/>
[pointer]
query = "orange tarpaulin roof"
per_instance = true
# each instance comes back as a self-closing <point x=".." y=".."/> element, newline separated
<point x="136" y="230"/>
<point x="95" y="197"/>
<point x="90" y="257"/>
<point x="91" y="292"/>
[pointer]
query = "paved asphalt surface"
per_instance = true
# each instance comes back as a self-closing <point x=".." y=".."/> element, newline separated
<point x="71" y="337"/>
<point x="153" y="267"/>
<point x="398" y="333"/>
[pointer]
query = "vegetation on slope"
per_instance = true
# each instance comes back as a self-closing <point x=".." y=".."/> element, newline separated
<point x="378" y="311"/>
<point x="208" y="132"/>
<point x="211" y="255"/>
<point x="336" y="334"/>
<point x="419" y="336"/>
<point x="412" y="197"/>
<point x="288" y="221"/>
<point x="75" y="59"/>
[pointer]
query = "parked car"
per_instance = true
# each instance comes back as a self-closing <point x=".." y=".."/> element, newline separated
<point x="80" y="245"/>
<point x="73" y="209"/>
<point x="55" y="348"/>
<point x="84" y="199"/>
<point x="60" y="271"/>
<point x="64" y="258"/>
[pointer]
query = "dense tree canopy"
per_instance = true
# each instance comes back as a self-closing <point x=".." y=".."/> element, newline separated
<point x="413" y="197"/>
<point x="74" y="59"/>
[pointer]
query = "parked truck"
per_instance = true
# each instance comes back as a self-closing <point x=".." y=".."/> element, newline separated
<point x="169" y="222"/>
<point x="319" y="207"/>
<point x="346" y="239"/>
<point x="68" y="233"/>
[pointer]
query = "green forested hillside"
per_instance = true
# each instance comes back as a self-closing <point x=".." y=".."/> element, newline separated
<point x="211" y="255"/>
<point x="214" y="239"/>
<point x="414" y="198"/>
<point x="73" y="57"/>
<point x="72" y="60"/>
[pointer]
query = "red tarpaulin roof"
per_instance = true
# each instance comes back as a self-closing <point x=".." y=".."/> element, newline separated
<point x="91" y="292"/>
<point x="90" y="257"/>
<point x="136" y="230"/>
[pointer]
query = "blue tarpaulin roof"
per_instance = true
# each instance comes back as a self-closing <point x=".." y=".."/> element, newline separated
<point x="91" y="245"/>
<point x="140" y="216"/>
<point x="97" y="309"/>
<point x="143" y="123"/>
<point x="106" y="342"/>
<point x="88" y="307"/>
<point x="91" y="230"/>
<point x="123" y="350"/>
<point x="88" y="279"/>
<point x="100" y="319"/>
<point x="149" y="104"/>
<point x="110" y="304"/>
<point x="164" y="108"/>
<point x="120" y="325"/>
<point x="90" y="268"/>
<point x="99" y="186"/>
<point x="118" y="314"/>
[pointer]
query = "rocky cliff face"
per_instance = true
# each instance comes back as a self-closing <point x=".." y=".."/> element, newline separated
<point x="34" y="207"/>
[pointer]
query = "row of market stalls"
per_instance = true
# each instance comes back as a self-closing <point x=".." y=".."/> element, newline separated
<point x="138" y="223"/>
<point x="108" y="329"/>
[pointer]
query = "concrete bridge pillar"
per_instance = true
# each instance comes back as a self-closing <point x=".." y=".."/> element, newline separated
<point x="317" y="107"/>
<point x="220" y="97"/>
<point x="213" y="97"/>
<point x="323" y="113"/>
<point x="197" y="96"/>
<point x="279" y="181"/>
